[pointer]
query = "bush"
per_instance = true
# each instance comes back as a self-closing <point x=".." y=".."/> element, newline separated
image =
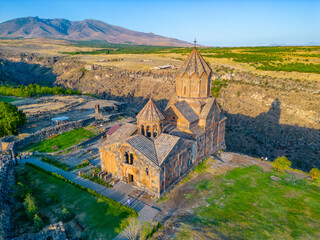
<point x="11" y="118"/>
<point x="58" y="164"/>
<point x="37" y="222"/>
<point x="65" y="214"/>
<point x="314" y="173"/>
<point x="22" y="189"/>
<point x="281" y="163"/>
<point x="201" y="167"/>
<point x="216" y="87"/>
<point x="83" y="164"/>
<point x="30" y="205"/>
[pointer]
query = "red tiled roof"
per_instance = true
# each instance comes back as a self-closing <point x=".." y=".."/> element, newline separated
<point x="113" y="129"/>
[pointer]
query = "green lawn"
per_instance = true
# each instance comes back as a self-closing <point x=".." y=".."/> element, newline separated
<point x="97" y="216"/>
<point x="7" y="99"/>
<point x="63" y="141"/>
<point x="246" y="204"/>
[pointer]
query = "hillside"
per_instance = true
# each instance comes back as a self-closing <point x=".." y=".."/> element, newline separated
<point x="89" y="29"/>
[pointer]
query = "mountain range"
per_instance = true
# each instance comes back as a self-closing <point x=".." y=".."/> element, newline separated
<point x="89" y="29"/>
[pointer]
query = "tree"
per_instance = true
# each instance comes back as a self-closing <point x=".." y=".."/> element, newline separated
<point x="314" y="173"/>
<point x="11" y="118"/>
<point x="281" y="163"/>
<point x="30" y="205"/>
<point x="131" y="228"/>
<point x="37" y="222"/>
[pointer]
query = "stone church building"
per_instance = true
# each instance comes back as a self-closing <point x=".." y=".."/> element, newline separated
<point x="161" y="147"/>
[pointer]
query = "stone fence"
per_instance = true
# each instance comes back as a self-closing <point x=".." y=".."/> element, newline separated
<point x="7" y="179"/>
<point x="11" y="146"/>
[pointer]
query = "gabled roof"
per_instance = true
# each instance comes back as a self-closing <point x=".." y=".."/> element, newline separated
<point x="206" y="109"/>
<point x="187" y="111"/>
<point x="154" y="150"/>
<point x="194" y="64"/>
<point x="144" y="146"/>
<point x="163" y="145"/>
<point x="150" y="112"/>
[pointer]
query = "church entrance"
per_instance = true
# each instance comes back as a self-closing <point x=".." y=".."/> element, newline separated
<point x="130" y="178"/>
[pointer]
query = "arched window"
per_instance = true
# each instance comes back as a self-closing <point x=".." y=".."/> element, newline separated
<point x="142" y="130"/>
<point x="155" y="131"/>
<point x="131" y="159"/>
<point x="147" y="171"/>
<point x="184" y="90"/>
<point x="148" y="132"/>
<point x="126" y="157"/>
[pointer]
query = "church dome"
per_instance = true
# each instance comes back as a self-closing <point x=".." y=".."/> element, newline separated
<point x="150" y="120"/>
<point x="193" y="77"/>
<point x="194" y="64"/>
<point x="150" y="113"/>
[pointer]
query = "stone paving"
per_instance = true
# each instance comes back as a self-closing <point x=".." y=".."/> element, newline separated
<point x="119" y="192"/>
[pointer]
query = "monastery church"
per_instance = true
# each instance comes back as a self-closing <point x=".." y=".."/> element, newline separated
<point x="162" y="147"/>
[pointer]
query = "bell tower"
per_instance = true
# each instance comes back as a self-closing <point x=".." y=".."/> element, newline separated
<point x="193" y="77"/>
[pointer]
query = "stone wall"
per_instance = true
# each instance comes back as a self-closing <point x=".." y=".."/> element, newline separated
<point x="7" y="179"/>
<point x="7" y="145"/>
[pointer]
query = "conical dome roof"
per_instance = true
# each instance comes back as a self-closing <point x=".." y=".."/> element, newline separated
<point x="150" y="113"/>
<point x="194" y="64"/>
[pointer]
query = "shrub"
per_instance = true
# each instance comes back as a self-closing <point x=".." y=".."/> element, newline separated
<point x="95" y="170"/>
<point x="58" y="164"/>
<point x="21" y="190"/>
<point x="281" y="163"/>
<point x="54" y="198"/>
<point x="314" y="173"/>
<point x="65" y="214"/>
<point x="201" y="167"/>
<point x="30" y="205"/>
<point x="37" y="222"/>
<point x="83" y="164"/>
<point x="216" y="87"/>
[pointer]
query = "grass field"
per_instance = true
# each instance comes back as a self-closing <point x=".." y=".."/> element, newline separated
<point x="246" y="204"/>
<point x="63" y="141"/>
<point x="98" y="217"/>
<point x="7" y="99"/>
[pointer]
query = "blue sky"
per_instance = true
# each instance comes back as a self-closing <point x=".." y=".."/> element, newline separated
<point x="213" y="23"/>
